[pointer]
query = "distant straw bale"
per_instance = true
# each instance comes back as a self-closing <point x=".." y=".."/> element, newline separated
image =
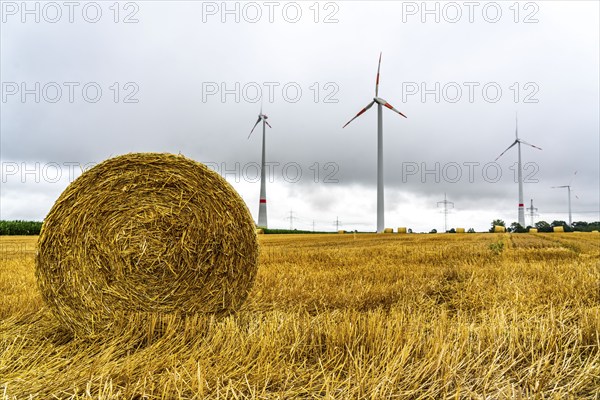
<point x="460" y="230"/>
<point x="145" y="234"/>
<point x="402" y="230"/>
<point x="499" y="228"/>
<point x="558" y="229"/>
<point x="388" y="230"/>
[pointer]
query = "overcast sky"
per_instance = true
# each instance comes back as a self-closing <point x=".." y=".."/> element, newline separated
<point x="87" y="81"/>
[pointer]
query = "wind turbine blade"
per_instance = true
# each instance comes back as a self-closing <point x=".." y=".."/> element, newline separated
<point x="509" y="147"/>
<point x="573" y="177"/>
<point x="360" y="113"/>
<point x="259" y="118"/>
<point x="529" y="144"/>
<point x="269" y="125"/>
<point x="388" y="105"/>
<point x="377" y="80"/>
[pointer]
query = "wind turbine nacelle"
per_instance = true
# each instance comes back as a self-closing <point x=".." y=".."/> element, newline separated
<point x="379" y="100"/>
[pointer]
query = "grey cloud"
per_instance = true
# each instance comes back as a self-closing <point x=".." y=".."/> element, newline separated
<point x="171" y="56"/>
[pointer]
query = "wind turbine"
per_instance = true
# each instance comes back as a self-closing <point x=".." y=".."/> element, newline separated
<point x="262" y="207"/>
<point x="380" y="102"/>
<point x="518" y="142"/>
<point x="569" y="193"/>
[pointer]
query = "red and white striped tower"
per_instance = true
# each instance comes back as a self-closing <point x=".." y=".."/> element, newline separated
<point x="262" y="205"/>
<point x="380" y="102"/>
<point x="521" y="213"/>
<point x="521" y="206"/>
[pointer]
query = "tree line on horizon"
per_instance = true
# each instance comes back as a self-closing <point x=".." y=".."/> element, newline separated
<point x="543" y="226"/>
<point x="21" y="227"/>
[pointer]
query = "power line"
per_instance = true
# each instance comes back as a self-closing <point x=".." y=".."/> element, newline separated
<point x="291" y="218"/>
<point x="337" y="223"/>
<point x="446" y="203"/>
<point x="574" y="212"/>
<point x="532" y="212"/>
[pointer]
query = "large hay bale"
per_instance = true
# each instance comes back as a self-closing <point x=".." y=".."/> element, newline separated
<point x="499" y="228"/>
<point x="533" y="230"/>
<point x="558" y="229"/>
<point x="460" y="230"/>
<point x="341" y="231"/>
<point x="142" y="235"/>
<point x="402" y="230"/>
<point x="388" y="230"/>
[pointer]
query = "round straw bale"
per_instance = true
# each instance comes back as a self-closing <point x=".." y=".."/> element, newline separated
<point x="388" y="230"/>
<point x="558" y="229"/>
<point x="460" y="230"/>
<point x="145" y="234"/>
<point x="402" y="230"/>
<point x="533" y="230"/>
<point x="499" y="228"/>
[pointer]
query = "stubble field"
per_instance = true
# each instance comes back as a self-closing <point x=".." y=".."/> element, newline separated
<point x="484" y="316"/>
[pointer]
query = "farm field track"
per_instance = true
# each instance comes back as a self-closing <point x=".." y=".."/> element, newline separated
<point x="428" y="316"/>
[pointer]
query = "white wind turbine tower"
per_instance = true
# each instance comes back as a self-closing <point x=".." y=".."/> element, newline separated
<point x="518" y="142"/>
<point x="380" y="102"/>
<point x="569" y="193"/>
<point x="262" y="207"/>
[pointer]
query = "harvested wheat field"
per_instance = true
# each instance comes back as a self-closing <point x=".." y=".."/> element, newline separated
<point x="484" y="316"/>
